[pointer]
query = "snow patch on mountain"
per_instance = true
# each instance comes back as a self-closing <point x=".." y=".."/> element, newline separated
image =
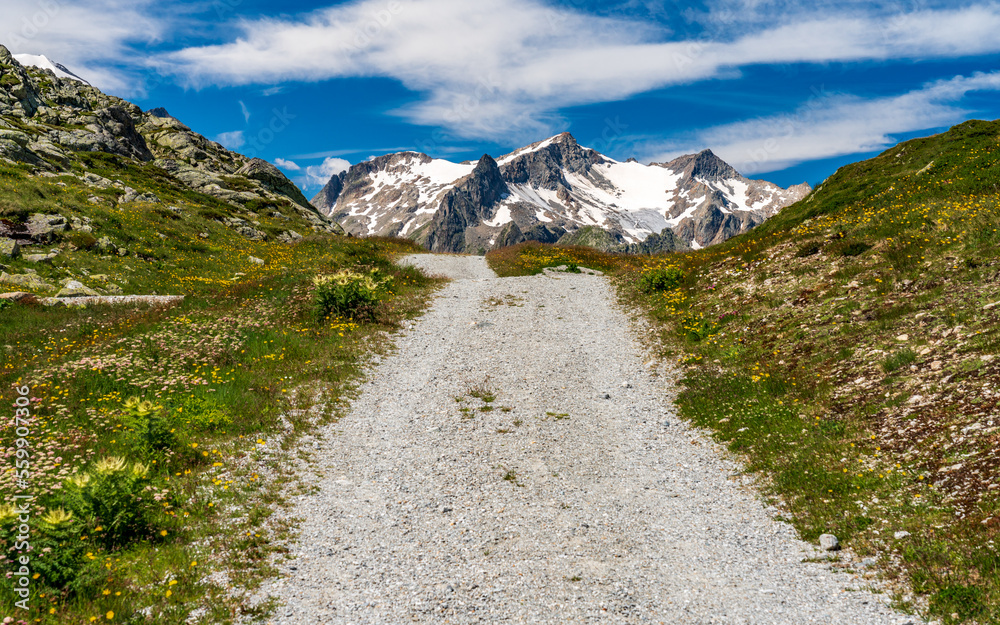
<point x="547" y="189"/>
<point x="42" y="62"/>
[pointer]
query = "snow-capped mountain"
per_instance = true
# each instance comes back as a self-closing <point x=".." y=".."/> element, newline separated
<point x="547" y="191"/>
<point x="42" y="62"/>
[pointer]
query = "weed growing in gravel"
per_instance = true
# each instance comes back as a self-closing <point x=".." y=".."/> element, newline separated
<point x="558" y="416"/>
<point x="483" y="391"/>
<point x="511" y="476"/>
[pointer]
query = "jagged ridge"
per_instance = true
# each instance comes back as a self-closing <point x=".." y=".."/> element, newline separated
<point x="547" y="191"/>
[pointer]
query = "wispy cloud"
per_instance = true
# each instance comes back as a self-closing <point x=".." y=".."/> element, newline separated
<point x="349" y="151"/>
<point x="93" y="38"/>
<point x="830" y="125"/>
<point x="494" y="69"/>
<point x="245" y="111"/>
<point x="233" y="140"/>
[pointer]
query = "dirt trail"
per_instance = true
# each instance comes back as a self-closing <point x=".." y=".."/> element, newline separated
<point x="573" y="496"/>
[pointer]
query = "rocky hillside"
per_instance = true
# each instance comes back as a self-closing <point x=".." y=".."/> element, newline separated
<point x="47" y="121"/>
<point x="549" y="191"/>
<point x="99" y="198"/>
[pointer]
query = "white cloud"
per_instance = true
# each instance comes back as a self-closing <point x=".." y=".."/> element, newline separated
<point x="831" y="125"/>
<point x="232" y="140"/>
<point x="93" y="38"/>
<point x="318" y="175"/>
<point x="286" y="164"/>
<point x="500" y="69"/>
<point x="245" y="111"/>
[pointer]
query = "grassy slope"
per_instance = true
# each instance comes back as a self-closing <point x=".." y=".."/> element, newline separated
<point x="847" y="350"/>
<point x="237" y="372"/>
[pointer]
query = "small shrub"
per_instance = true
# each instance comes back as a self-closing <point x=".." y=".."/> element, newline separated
<point x="58" y="551"/>
<point x="572" y="268"/>
<point x="146" y="427"/>
<point x="348" y="294"/>
<point x="809" y="249"/>
<point x="853" y="248"/>
<point x="899" y="359"/>
<point x="115" y="495"/>
<point x="661" y="279"/>
<point x="82" y="240"/>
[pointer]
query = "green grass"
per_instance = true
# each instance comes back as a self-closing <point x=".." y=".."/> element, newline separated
<point x="234" y="374"/>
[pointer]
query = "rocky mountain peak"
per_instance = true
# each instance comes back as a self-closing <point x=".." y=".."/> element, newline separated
<point x="160" y="112"/>
<point x="486" y="185"/>
<point x="704" y="165"/>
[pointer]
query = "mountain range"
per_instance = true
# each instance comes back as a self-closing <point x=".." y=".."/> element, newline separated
<point x="551" y="191"/>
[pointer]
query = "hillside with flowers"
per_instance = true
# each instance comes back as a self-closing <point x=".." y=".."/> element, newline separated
<point x="174" y="317"/>
<point x="848" y="350"/>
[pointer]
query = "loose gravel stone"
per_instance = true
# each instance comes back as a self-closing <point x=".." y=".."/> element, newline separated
<point x="486" y="475"/>
<point x="829" y="542"/>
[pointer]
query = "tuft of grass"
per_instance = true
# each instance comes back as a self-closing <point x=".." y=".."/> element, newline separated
<point x="898" y="360"/>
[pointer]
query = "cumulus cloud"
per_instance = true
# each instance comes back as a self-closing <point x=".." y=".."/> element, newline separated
<point x="502" y="69"/>
<point x="286" y="164"/>
<point x="831" y="125"/>
<point x="232" y="140"/>
<point x="318" y="175"/>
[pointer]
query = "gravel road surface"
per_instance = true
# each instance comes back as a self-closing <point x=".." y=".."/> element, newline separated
<point x="573" y="496"/>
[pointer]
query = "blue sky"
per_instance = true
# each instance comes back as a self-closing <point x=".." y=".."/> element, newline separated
<point x="786" y="91"/>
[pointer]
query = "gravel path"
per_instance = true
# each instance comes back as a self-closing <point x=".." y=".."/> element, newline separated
<point x="578" y="498"/>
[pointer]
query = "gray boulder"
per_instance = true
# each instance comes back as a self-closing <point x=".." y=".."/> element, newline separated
<point x="44" y="228"/>
<point x="25" y="280"/>
<point x="9" y="247"/>
<point x="273" y="180"/>
<point x="74" y="288"/>
<point x="829" y="542"/>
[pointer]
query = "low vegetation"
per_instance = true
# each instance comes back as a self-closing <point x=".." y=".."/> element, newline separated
<point x="160" y="434"/>
<point x="848" y="351"/>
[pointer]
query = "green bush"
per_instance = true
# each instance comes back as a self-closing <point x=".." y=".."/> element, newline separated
<point x="348" y="294"/>
<point x="82" y="240"/>
<point x="809" y="249"/>
<point x="146" y="429"/>
<point x="114" y="494"/>
<point x="661" y="279"/>
<point x="58" y="551"/>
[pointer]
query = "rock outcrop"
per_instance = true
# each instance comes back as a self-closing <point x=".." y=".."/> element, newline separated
<point x="47" y="120"/>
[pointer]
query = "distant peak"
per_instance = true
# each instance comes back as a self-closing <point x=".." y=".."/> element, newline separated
<point x="704" y="164"/>
<point x="160" y="112"/>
